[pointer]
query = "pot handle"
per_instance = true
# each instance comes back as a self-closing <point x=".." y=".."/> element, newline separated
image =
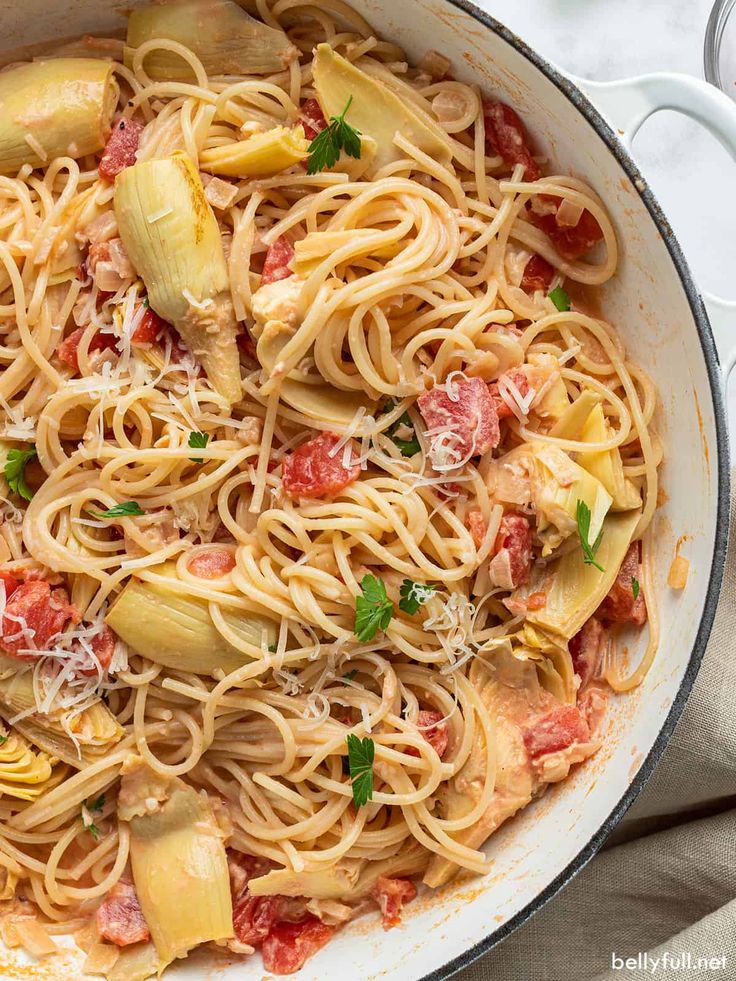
<point x="628" y="103"/>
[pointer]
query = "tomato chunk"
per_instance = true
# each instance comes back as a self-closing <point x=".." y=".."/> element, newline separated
<point x="120" y="919"/>
<point x="571" y="241"/>
<point x="121" y="148"/>
<point x="10" y="583"/>
<point x="289" y="945"/>
<point x="538" y="274"/>
<point x="312" y="471"/>
<point x="67" y="351"/>
<point x="150" y="329"/>
<point x="461" y="420"/>
<point x="506" y="136"/>
<point x="276" y="265"/>
<point x="391" y="894"/>
<point x="517" y="378"/>
<point x="477" y="526"/>
<point x="213" y="563"/>
<point x="586" y="649"/>
<point x="254" y="917"/>
<point x="620" y="606"/>
<point x="34" y="614"/>
<point x="511" y="565"/>
<point x="312" y="118"/>
<point x="559" y="730"/>
<point x="434" y="731"/>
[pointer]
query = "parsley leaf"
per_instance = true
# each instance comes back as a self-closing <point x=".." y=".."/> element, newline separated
<point x="198" y="441"/>
<point x="361" y="753"/>
<point x="560" y="299"/>
<point x="128" y="509"/>
<point x="97" y="804"/>
<point x="635" y="587"/>
<point x="350" y="675"/>
<point x="414" y="595"/>
<point x="583" y="518"/>
<point x="3" y="740"/>
<point x="272" y="648"/>
<point x="324" y="150"/>
<point x="408" y="447"/>
<point x="373" y="610"/>
<point x="15" y="471"/>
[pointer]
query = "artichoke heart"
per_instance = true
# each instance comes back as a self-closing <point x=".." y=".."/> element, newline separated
<point x="62" y="107"/>
<point x="575" y="590"/>
<point x="171" y="235"/>
<point x="178" y="860"/>
<point x="557" y="485"/>
<point x="161" y="622"/>
<point x="75" y="739"/>
<point x="552" y="659"/>
<point x="24" y="773"/>
<point x="261" y="155"/>
<point x="226" y="39"/>
<point x="375" y="111"/>
<point x="606" y="465"/>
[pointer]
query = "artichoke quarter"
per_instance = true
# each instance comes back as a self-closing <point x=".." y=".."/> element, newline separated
<point x="171" y="235"/>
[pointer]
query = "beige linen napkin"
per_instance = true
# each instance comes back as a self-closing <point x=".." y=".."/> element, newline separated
<point x="666" y="882"/>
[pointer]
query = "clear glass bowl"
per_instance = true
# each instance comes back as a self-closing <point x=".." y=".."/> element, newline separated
<point x="720" y="47"/>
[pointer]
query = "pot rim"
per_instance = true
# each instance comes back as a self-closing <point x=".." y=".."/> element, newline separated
<point x="710" y="354"/>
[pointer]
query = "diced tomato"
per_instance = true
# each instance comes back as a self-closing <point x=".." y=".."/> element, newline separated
<point x="44" y="612"/>
<point x="586" y="649"/>
<point x="391" y="894"/>
<point x="121" y="148"/>
<point x="103" y="644"/>
<point x="434" y="731"/>
<point x="254" y="917"/>
<point x="312" y="118"/>
<point x="620" y="606"/>
<point x="517" y="378"/>
<point x="151" y="328"/>
<point x="477" y="526"/>
<point x="506" y="135"/>
<point x="310" y="471"/>
<point x="573" y="241"/>
<point x="67" y="351"/>
<point x="559" y="730"/>
<point x="538" y="274"/>
<point x="276" y="265"/>
<point x="289" y="945"/>
<point x="513" y="551"/>
<point x="120" y="919"/>
<point x="537" y="601"/>
<point x="212" y="563"/>
<point x="467" y="412"/>
<point x="11" y="583"/>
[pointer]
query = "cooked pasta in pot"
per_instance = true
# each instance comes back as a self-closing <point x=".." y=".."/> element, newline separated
<point x="325" y="500"/>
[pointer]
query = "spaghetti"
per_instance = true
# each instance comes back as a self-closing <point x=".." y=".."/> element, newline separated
<point x="325" y="503"/>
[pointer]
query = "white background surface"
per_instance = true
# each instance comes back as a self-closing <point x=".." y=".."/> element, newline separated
<point x="691" y="174"/>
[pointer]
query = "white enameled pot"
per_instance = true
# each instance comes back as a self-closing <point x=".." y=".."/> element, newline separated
<point x="660" y="314"/>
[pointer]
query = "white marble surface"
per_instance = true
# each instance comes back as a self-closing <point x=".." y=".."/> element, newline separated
<point x="691" y="174"/>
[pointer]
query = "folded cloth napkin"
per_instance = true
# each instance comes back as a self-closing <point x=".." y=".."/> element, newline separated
<point x="663" y="891"/>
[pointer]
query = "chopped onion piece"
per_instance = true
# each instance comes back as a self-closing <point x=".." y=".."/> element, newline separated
<point x="434" y="64"/>
<point x="568" y="214"/>
<point x="101" y="959"/>
<point x="34" y="938"/>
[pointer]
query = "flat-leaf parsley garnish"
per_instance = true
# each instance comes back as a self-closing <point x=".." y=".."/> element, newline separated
<point x="560" y="299"/>
<point x="408" y="447"/>
<point x="198" y="441"/>
<point x="128" y="509"/>
<point x="373" y="609"/>
<point x="15" y="471"/>
<point x="589" y="550"/>
<point x="414" y="594"/>
<point x="361" y="753"/>
<point x="325" y="148"/>
<point x="635" y="587"/>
